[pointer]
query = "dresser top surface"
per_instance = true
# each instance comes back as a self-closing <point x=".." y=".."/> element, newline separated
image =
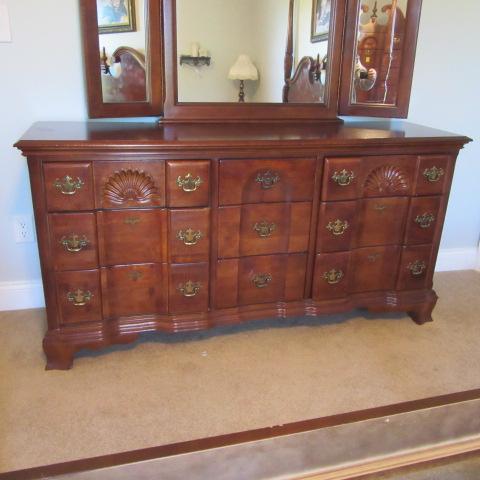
<point x="122" y="134"/>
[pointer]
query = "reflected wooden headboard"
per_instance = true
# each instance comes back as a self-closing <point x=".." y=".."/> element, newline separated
<point x="305" y="86"/>
<point x="131" y="85"/>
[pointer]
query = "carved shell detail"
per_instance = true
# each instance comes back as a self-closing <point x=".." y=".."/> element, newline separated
<point x="386" y="179"/>
<point x="130" y="186"/>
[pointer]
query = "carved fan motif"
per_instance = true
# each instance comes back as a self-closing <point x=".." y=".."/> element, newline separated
<point x="130" y="186"/>
<point x="386" y="179"/>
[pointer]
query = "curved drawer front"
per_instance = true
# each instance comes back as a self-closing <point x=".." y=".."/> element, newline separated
<point x="68" y="186"/>
<point x="134" y="290"/>
<point x="262" y="279"/>
<point x="434" y="172"/>
<point x="188" y="183"/>
<point x="129" y="184"/>
<point x="374" y="176"/>
<point x="361" y="223"/>
<point x="73" y="240"/>
<point x="423" y="220"/>
<point x="132" y="236"/>
<point x="256" y="181"/>
<point x="189" y="235"/>
<point x="188" y="288"/>
<point x="79" y="296"/>
<point x="416" y="268"/>
<point x="263" y="229"/>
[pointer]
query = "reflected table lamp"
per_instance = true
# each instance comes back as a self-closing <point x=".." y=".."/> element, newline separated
<point x="242" y="70"/>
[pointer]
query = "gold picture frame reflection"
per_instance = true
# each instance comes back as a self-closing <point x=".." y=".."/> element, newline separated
<point x="321" y="13"/>
<point x="115" y="16"/>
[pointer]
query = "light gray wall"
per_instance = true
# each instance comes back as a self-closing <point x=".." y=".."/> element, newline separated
<point x="42" y="78"/>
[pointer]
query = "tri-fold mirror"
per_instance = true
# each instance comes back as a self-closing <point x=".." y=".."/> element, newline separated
<point x="230" y="60"/>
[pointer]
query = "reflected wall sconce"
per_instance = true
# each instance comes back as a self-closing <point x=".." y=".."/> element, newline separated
<point x="198" y="57"/>
<point x="243" y="69"/>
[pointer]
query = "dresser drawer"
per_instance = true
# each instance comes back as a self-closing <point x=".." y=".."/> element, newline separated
<point x="189" y="288"/>
<point x="73" y="240"/>
<point x="188" y="183"/>
<point x="78" y="296"/>
<point x="373" y="268"/>
<point x="263" y="279"/>
<point x="68" y="186"/>
<point x="331" y="276"/>
<point x="263" y="229"/>
<point x="416" y="268"/>
<point x="361" y="223"/>
<point x="381" y="221"/>
<point x="130" y="184"/>
<point x="375" y="176"/>
<point x="259" y="181"/>
<point x="433" y="174"/>
<point x="422" y="220"/>
<point x="132" y="236"/>
<point x="189" y="235"/>
<point x="134" y="290"/>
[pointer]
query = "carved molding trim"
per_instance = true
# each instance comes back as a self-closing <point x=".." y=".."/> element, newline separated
<point x="387" y="179"/>
<point x="130" y="186"/>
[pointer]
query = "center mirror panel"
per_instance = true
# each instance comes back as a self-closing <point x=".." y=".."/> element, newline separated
<point x="252" y="51"/>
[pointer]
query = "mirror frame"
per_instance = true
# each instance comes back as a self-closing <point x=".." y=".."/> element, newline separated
<point x="175" y="111"/>
<point x="97" y="108"/>
<point x="400" y="110"/>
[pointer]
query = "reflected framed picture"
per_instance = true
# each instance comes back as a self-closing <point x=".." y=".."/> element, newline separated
<point x="116" y="16"/>
<point x="321" y="20"/>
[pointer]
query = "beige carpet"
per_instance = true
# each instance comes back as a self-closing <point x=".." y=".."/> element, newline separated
<point x="176" y="388"/>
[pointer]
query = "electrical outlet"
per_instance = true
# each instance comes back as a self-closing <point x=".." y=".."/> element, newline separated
<point x="23" y="228"/>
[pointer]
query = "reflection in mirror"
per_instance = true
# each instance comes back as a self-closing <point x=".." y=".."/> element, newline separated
<point x="122" y="41"/>
<point x="379" y="47"/>
<point x="234" y="50"/>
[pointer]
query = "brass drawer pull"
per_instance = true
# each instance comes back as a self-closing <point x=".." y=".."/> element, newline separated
<point x="189" y="289"/>
<point x="188" y="183"/>
<point x="425" y="221"/>
<point x="380" y="207"/>
<point x="433" y="174"/>
<point x="74" y="243"/>
<point x="262" y="280"/>
<point x="189" y="237"/>
<point x="68" y="186"/>
<point x="417" y="268"/>
<point x="79" y="297"/>
<point x="338" y="227"/>
<point x="333" y="276"/>
<point x="343" y="178"/>
<point x="264" y="229"/>
<point x="268" y="179"/>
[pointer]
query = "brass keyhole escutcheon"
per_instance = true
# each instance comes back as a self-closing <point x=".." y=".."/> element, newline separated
<point x="74" y="243"/>
<point x="79" y="297"/>
<point x="338" y="227"/>
<point x="264" y="229"/>
<point x="189" y="289"/>
<point x="433" y="174"/>
<point x="268" y="179"/>
<point x="332" y="277"/>
<point x="262" y="280"/>
<point x="189" y="237"/>
<point x="188" y="183"/>
<point x="425" y="221"/>
<point x="135" y="275"/>
<point x="131" y="221"/>
<point x="343" y="178"/>
<point x="417" y="268"/>
<point x="67" y="185"/>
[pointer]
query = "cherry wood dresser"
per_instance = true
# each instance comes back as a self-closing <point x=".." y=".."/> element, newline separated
<point x="144" y="227"/>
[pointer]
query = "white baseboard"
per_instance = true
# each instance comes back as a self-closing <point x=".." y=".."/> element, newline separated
<point x="450" y="259"/>
<point x="24" y="295"/>
<point x="21" y="295"/>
